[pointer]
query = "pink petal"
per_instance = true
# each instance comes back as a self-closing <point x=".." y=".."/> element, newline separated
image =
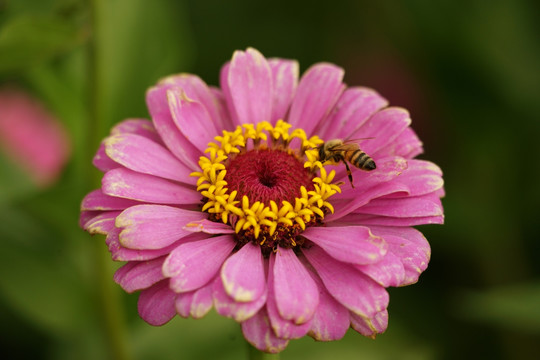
<point x="158" y="106"/>
<point x="384" y="127"/>
<point x="141" y="127"/>
<point x="387" y="272"/>
<point x="202" y="302"/>
<point x="194" y="264"/>
<point x="420" y="206"/>
<point x="153" y="226"/>
<point x="350" y="287"/>
<point x="331" y="319"/>
<point x="345" y="206"/>
<point x="129" y="184"/>
<point x="375" y="184"/>
<point x="239" y="311"/>
<point x="195" y="303"/>
<point x="258" y="333"/>
<point x="226" y="91"/>
<point x="139" y="154"/>
<point x="410" y="246"/>
<point x="249" y="83"/>
<point x="103" y="162"/>
<point x="352" y="110"/>
<point x="156" y="304"/>
<point x="424" y="167"/>
<point x="243" y="274"/>
<point x="192" y="119"/>
<point x="138" y="275"/>
<point x="407" y="145"/>
<point x="183" y="302"/>
<point x="120" y="253"/>
<point x="285" y="81"/>
<point x="86" y="216"/>
<point x="369" y="219"/>
<point x="298" y="295"/>
<point x="225" y="122"/>
<point x="195" y="88"/>
<point x="409" y="234"/>
<point x="318" y="91"/>
<point x="351" y="244"/>
<point x="97" y="200"/>
<point x="209" y="227"/>
<point x="421" y="177"/>
<point x="103" y="223"/>
<point x="370" y="327"/>
<point x="387" y="169"/>
<point x="285" y="329"/>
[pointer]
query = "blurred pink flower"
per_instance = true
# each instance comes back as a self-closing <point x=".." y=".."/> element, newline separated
<point x="280" y="242"/>
<point x="32" y="137"/>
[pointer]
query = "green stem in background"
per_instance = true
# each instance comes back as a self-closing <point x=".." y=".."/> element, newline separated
<point x="108" y="294"/>
<point x="96" y="127"/>
<point x="254" y="354"/>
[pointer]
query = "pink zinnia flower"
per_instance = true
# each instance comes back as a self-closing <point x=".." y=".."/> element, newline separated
<point x="221" y="201"/>
<point x="32" y="137"/>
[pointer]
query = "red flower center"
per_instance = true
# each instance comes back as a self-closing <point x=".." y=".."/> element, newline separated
<point x="268" y="174"/>
<point x="268" y="191"/>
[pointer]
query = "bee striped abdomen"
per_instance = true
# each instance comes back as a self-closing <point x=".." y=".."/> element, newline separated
<point x="360" y="159"/>
<point x="337" y="150"/>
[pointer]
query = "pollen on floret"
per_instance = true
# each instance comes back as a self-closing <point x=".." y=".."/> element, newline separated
<point x="266" y="189"/>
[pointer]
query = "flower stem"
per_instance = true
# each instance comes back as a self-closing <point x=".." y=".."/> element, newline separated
<point x="95" y="124"/>
<point x="109" y="305"/>
<point x="254" y="354"/>
<point x="108" y="295"/>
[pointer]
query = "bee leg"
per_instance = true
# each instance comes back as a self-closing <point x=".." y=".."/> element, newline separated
<point x="349" y="174"/>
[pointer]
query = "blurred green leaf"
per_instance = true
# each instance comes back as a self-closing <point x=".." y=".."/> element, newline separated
<point x="38" y="277"/>
<point x="27" y="40"/>
<point x="398" y="342"/>
<point x="14" y="182"/>
<point x="17" y="7"/>
<point x="189" y="337"/>
<point x="514" y="306"/>
<point x="61" y="88"/>
<point x="137" y="43"/>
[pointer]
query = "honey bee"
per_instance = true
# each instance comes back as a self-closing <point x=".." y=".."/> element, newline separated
<point x="347" y="151"/>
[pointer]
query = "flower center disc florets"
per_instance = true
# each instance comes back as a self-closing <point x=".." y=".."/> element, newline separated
<point x="269" y="188"/>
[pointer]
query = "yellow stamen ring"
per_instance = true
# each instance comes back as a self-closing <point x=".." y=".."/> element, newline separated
<point x="240" y="213"/>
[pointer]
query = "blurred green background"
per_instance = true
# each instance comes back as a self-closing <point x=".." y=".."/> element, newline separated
<point x="468" y="71"/>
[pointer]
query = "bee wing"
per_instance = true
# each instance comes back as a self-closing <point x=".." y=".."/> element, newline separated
<point x="344" y="147"/>
<point x="348" y="141"/>
<point x="349" y="144"/>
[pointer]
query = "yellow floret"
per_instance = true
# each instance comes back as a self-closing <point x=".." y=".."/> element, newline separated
<point x="243" y="213"/>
